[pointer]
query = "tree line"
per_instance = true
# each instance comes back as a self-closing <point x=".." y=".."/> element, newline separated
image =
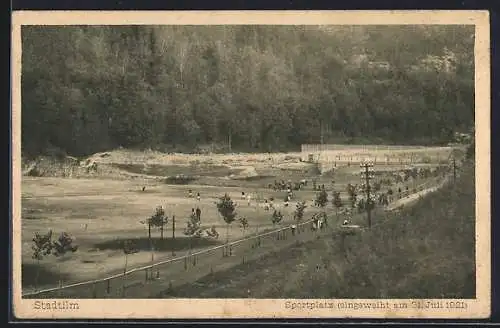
<point x="243" y="88"/>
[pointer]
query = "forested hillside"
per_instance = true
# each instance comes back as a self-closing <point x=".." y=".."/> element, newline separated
<point x="247" y="88"/>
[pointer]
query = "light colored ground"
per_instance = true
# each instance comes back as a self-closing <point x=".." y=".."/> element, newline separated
<point x="113" y="209"/>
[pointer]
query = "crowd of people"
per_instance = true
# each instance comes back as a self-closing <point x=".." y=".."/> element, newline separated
<point x="383" y="191"/>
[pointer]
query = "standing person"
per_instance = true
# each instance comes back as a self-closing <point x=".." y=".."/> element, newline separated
<point x="193" y="213"/>
<point x="198" y="214"/>
<point x="198" y="197"/>
<point x="248" y="199"/>
<point x="190" y="193"/>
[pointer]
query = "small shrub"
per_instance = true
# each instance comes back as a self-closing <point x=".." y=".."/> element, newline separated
<point x="299" y="211"/>
<point x="227" y="209"/>
<point x="276" y="217"/>
<point x="322" y="198"/>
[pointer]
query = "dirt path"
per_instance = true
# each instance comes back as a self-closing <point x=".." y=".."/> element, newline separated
<point x="264" y="278"/>
<point x="413" y="197"/>
<point x="257" y="279"/>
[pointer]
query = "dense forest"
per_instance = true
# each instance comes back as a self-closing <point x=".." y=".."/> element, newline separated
<point x="243" y="88"/>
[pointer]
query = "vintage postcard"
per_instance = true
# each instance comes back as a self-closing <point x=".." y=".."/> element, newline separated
<point x="260" y="164"/>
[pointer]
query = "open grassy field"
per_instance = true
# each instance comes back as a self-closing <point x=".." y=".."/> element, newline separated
<point x="112" y="211"/>
<point x="101" y="211"/>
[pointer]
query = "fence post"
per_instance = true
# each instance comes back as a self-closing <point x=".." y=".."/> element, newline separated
<point x="59" y="290"/>
<point x="170" y="287"/>
<point x="94" y="291"/>
<point x="185" y="263"/>
<point x="108" y="286"/>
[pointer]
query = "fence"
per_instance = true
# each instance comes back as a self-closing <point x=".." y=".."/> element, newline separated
<point x="381" y="154"/>
<point x="184" y="269"/>
<point x="382" y="159"/>
<point x="336" y="147"/>
<point x="166" y="275"/>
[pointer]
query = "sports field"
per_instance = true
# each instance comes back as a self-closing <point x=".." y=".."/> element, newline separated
<point x="104" y="208"/>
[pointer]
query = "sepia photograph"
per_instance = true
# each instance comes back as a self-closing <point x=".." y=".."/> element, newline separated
<point x="251" y="164"/>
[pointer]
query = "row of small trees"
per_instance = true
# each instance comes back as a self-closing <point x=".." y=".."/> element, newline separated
<point x="227" y="209"/>
<point x="322" y="199"/>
